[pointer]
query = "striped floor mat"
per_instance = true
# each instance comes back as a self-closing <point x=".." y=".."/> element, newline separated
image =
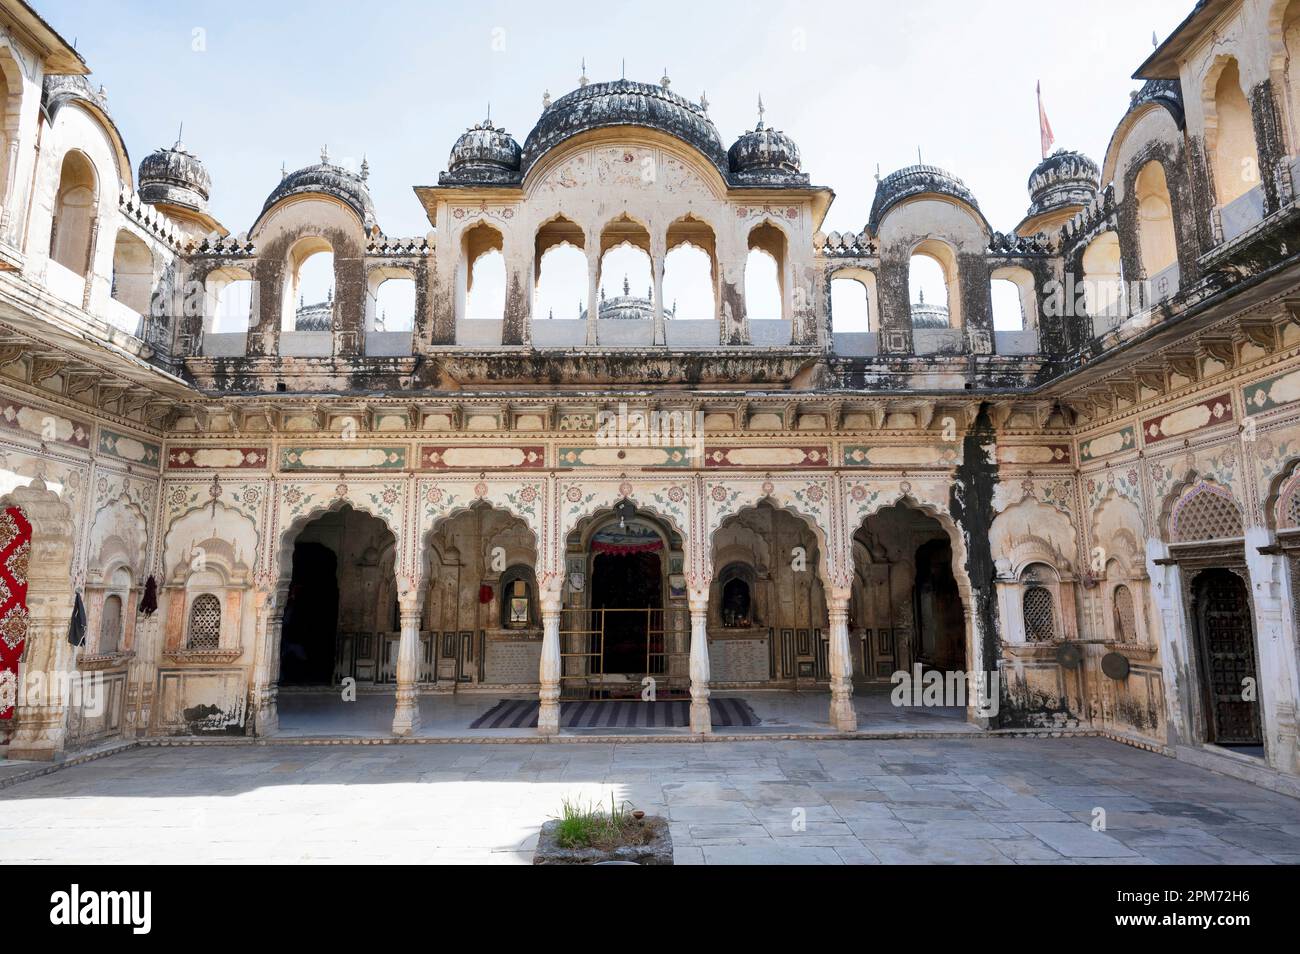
<point x="623" y="714"/>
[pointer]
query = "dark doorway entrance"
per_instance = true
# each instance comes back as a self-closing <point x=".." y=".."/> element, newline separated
<point x="628" y="588"/>
<point x="1226" y="645"/>
<point x="940" y="618"/>
<point x="311" y="618"/>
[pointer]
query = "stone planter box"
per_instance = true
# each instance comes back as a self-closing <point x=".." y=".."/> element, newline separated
<point x="657" y="851"/>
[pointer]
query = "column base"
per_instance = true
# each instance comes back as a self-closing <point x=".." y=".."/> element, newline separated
<point x="701" y="717"/>
<point x="844" y="718"/>
<point x="548" y="718"/>
<point x="266" y="714"/>
<point x="406" y="719"/>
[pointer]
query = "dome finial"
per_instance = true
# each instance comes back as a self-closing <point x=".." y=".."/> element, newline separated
<point x="627" y="287"/>
<point x="488" y="120"/>
<point x="180" y="138"/>
<point x="582" y="80"/>
<point x="704" y="102"/>
<point x="761" y="111"/>
<point x="546" y="99"/>
<point x="664" y="81"/>
<point x="325" y="155"/>
<point x="365" y="168"/>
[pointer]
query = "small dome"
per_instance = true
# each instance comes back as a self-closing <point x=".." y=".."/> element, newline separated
<point x="483" y="155"/>
<point x="929" y="316"/>
<point x="623" y="103"/>
<point x="326" y="178"/>
<point x="176" y="177"/>
<point x="917" y="180"/>
<point x="627" y="306"/>
<point x="1061" y="180"/>
<point x="764" y="155"/>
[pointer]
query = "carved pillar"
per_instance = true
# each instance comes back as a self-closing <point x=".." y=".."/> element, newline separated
<point x="657" y="273"/>
<point x="593" y="288"/>
<point x="548" y="715"/>
<point x="843" y="716"/>
<point x="406" y="718"/>
<point x="265" y="714"/>
<point x="698" y="599"/>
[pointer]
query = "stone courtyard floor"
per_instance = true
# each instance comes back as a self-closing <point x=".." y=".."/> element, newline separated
<point x="985" y="801"/>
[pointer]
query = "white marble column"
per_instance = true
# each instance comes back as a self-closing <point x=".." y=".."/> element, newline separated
<point x="548" y="715"/>
<point x="406" y="718"/>
<point x="701" y="717"/>
<point x="593" y="287"/>
<point x="843" y="716"/>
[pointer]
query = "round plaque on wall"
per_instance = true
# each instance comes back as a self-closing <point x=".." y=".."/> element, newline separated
<point x="1115" y="665"/>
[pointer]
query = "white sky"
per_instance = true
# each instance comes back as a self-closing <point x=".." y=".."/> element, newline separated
<point x="858" y="85"/>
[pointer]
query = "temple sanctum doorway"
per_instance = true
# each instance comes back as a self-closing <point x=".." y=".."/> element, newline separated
<point x="624" y="619"/>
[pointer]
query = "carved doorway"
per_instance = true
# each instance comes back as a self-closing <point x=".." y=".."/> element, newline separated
<point x="1226" y="651"/>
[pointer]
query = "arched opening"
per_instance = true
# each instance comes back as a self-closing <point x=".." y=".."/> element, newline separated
<point x="230" y="301"/>
<point x="768" y="616"/>
<point x="1226" y="654"/>
<point x="74" y="214"/>
<point x="132" y="272"/>
<point x="560" y="271"/>
<point x="907" y="607"/>
<point x="390" y="305"/>
<point x="1124" y="617"/>
<point x="1291" y="46"/>
<point x="690" y="271"/>
<point x="932" y="281"/>
<point x="626" y="280"/>
<point x="309" y="287"/>
<point x="1156" y="242"/>
<point x="11" y="101"/>
<point x="850" y="308"/>
<point x="1232" y="137"/>
<point x="765" y="267"/>
<point x="481" y="620"/>
<point x="1008" y="307"/>
<point x="481" y="275"/>
<point x="1103" y="282"/>
<point x="624" y="617"/>
<point x="340" y="600"/>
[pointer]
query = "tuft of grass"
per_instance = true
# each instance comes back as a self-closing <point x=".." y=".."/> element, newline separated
<point x="589" y="826"/>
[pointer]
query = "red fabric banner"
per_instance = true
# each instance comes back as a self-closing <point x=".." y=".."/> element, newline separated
<point x="15" y="552"/>
<point x="625" y="549"/>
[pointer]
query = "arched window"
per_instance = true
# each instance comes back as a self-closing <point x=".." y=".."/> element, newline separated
<point x="850" y="311"/>
<point x="517" y="604"/>
<point x="736" y="604"/>
<point x="1008" y="308"/>
<point x="1040" y="614"/>
<point x="74" y="213"/>
<point x="1103" y="281"/>
<point x="561" y="288"/>
<point x="1125" y="621"/>
<point x="932" y="282"/>
<point x="132" y="272"/>
<point x="205" y="623"/>
<point x="765" y="273"/>
<point x="688" y="284"/>
<point x="110" y="625"/>
<point x="230" y="300"/>
<point x="1236" y="160"/>
<point x="1155" y="220"/>
<point x="392" y="307"/>
<point x="309" y="287"/>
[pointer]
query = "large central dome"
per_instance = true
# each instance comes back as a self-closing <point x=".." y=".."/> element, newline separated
<point x="624" y="103"/>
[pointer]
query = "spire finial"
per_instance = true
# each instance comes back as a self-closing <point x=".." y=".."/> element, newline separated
<point x="488" y="121"/>
<point x="546" y="99"/>
<point x="365" y="168"/>
<point x="664" y="81"/>
<point x="627" y="287"/>
<point x="284" y="170"/>
<point x="704" y="102"/>
<point x="582" y="80"/>
<point x="180" y="137"/>
<point x="324" y="154"/>
<point x="919" y="160"/>
<point x="761" y="111"/>
<point x="922" y="293"/>
<point x="877" y="172"/>
<point x="625" y="67"/>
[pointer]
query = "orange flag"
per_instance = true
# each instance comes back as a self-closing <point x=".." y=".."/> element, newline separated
<point x="1044" y="127"/>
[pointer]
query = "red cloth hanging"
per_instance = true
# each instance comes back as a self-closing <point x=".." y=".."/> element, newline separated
<point x="485" y="594"/>
<point x="624" y="549"/>
<point x="15" y="554"/>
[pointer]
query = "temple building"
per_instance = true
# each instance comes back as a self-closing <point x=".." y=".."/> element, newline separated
<point x="250" y="489"/>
